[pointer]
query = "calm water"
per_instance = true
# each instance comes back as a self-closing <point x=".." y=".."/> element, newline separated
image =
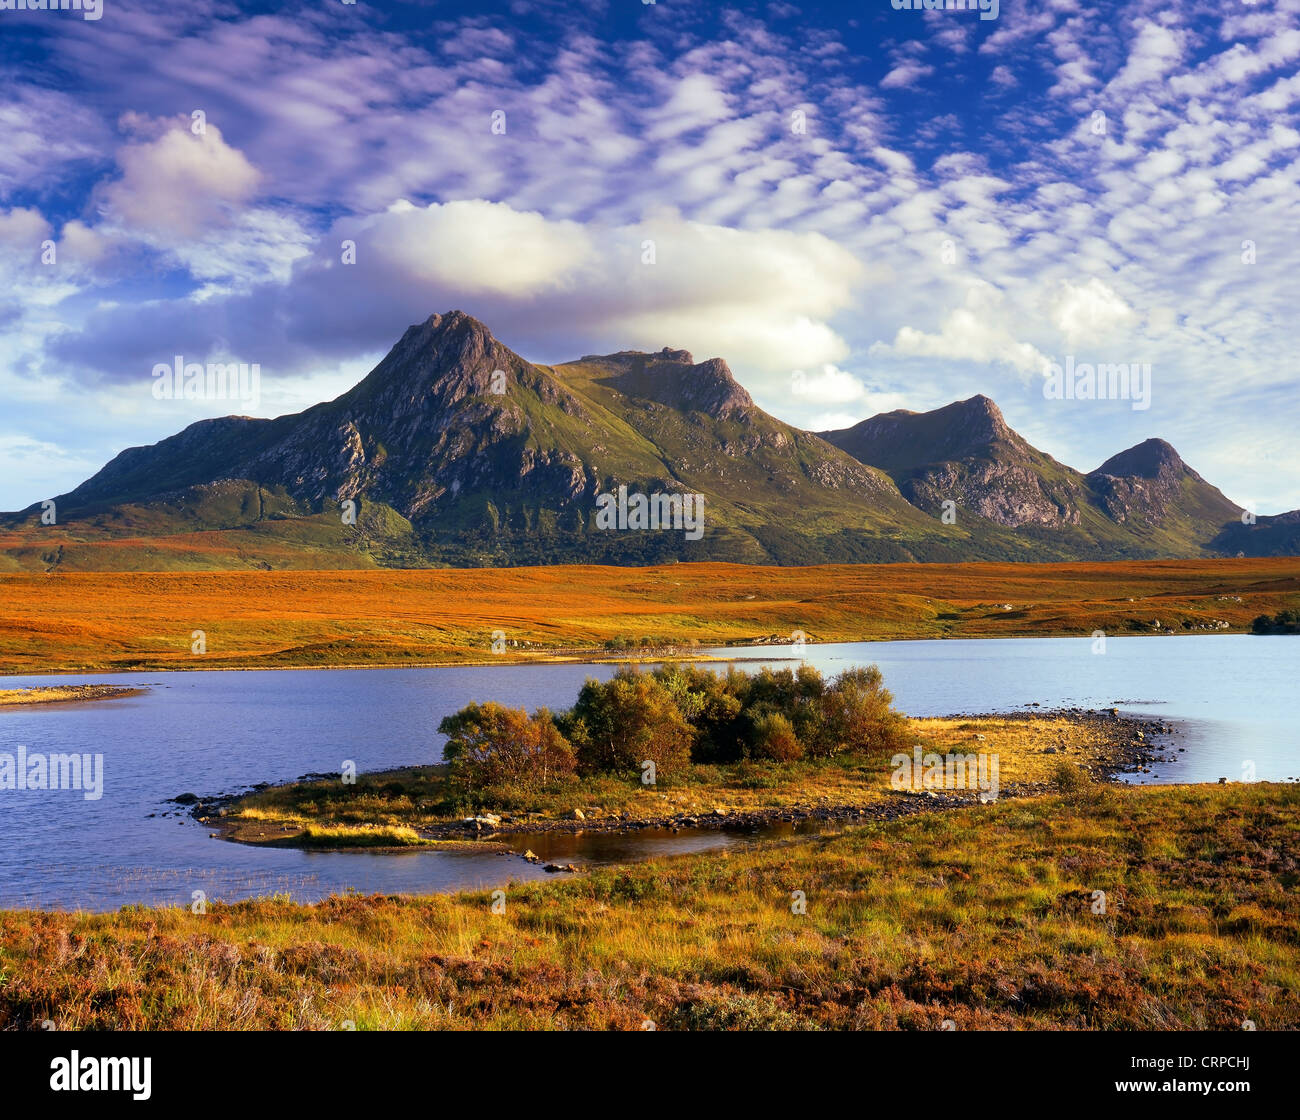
<point x="213" y="732"/>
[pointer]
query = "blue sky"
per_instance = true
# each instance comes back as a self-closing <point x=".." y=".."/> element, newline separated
<point x="859" y="208"/>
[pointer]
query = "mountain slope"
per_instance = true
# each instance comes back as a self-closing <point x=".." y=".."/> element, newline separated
<point x="455" y="450"/>
<point x="965" y="452"/>
<point x="1142" y="502"/>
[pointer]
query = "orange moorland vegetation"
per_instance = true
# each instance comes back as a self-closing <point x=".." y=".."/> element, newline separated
<point x="105" y="620"/>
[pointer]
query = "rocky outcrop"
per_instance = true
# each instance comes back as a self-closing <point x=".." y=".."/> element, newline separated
<point x="966" y="453"/>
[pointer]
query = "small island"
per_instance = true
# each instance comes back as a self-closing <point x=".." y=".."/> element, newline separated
<point x="684" y="748"/>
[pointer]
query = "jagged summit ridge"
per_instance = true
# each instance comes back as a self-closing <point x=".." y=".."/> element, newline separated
<point x="965" y="452"/>
<point x="674" y="378"/>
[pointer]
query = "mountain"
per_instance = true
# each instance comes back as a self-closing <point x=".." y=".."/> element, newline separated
<point x="965" y="452"/>
<point x="455" y="450"/>
<point x="1145" y="501"/>
<point x="1267" y="535"/>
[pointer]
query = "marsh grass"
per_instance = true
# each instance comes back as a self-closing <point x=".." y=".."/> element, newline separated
<point x="984" y="917"/>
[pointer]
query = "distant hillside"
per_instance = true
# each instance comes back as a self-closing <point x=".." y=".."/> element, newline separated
<point x="456" y="451"/>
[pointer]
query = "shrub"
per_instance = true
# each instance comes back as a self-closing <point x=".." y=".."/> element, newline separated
<point x="709" y="704"/>
<point x="490" y="745"/>
<point x="1285" y="622"/>
<point x="617" y="724"/>
<point x="855" y="713"/>
<point x="676" y="715"/>
<point x="724" y="715"/>
<point x="773" y="737"/>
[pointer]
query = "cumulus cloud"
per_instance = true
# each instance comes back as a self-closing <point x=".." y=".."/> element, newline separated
<point x="828" y="385"/>
<point x="906" y="74"/>
<point x="761" y="298"/>
<point x="477" y="247"/>
<point x="22" y="230"/>
<point x="978" y="332"/>
<point x="180" y="182"/>
<point x="1089" y="311"/>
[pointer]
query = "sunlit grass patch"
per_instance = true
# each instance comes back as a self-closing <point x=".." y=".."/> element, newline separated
<point x="361" y="836"/>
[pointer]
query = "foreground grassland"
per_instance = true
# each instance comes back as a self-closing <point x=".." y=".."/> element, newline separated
<point x="400" y="808"/>
<point x="983" y="916"/>
<point x="107" y="621"/>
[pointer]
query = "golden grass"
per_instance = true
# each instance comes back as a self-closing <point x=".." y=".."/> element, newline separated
<point x="986" y="916"/>
<point x="87" y="621"/>
<point x="63" y="694"/>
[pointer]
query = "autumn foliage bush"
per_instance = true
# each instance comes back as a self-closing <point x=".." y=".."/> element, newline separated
<point x="674" y="716"/>
<point x="493" y="746"/>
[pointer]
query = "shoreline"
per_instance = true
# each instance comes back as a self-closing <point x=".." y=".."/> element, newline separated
<point x="1169" y="908"/>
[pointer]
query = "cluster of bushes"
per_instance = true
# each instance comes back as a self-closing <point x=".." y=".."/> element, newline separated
<point x="1284" y="622"/>
<point x="674" y="716"/>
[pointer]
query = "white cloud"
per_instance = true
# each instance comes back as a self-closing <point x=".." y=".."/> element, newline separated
<point x="965" y="336"/>
<point x="905" y="74"/>
<point x="1155" y="52"/>
<point x="760" y="298"/>
<point x="477" y="246"/>
<point x="1088" y="312"/>
<point x="179" y="184"/>
<point x="827" y="385"/>
<point x="977" y="332"/>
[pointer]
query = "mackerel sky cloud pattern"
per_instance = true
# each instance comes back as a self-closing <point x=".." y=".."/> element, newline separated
<point x="908" y="207"/>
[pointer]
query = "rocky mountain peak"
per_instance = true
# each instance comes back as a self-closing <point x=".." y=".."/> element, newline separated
<point x="674" y="378"/>
<point x="980" y="407"/>
<point x="669" y="355"/>
<point x="974" y="421"/>
<point x="434" y="364"/>
<point x="1149" y="484"/>
<point x="1152" y="458"/>
<point x="451" y="468"/>
<point x="711" y="387"/>
<point x="453" y="339"/>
